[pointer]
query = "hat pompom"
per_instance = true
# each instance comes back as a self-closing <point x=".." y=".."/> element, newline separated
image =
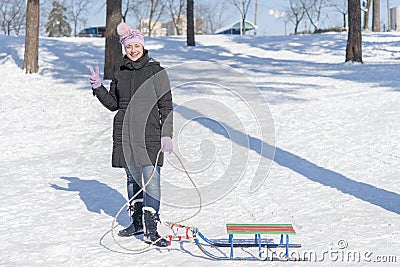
<point x="128" y="35"/>
<point x="122" y="29"/>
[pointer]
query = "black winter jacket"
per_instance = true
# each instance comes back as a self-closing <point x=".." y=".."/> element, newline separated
<point x="141" y="93"/>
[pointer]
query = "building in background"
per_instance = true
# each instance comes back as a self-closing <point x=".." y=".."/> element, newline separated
<point x="157" y="28"/>
<point x="234" y="28"/>
<point x="182" y="26"/>
<point x="395" y="18"/>
<point x="168" y="28"/>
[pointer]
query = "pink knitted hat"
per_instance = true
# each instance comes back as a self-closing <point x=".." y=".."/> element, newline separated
<point x="128" y="35"/>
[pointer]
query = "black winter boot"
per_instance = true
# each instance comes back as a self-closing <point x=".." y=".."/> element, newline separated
<point x="136" y="228"/>
<point x="152" y="236"/>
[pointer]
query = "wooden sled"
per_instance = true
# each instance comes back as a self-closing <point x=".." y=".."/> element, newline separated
<point x="284" y="230"/>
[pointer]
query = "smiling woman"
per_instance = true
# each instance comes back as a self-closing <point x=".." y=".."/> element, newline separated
<point x="142" y="85"/>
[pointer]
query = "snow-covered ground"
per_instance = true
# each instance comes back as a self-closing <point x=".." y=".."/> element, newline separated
<point x="334" y="173"/>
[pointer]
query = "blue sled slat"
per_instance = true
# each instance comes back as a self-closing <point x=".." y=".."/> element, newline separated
<point x="245" y="242"/>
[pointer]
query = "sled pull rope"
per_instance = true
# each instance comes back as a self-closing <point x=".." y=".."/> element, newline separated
<point x="143" y="189"/>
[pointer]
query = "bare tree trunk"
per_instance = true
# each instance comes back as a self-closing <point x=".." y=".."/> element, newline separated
<point x="313" y="10"/>
<point x="125" y="13"/>
<point x="243" y="7"/>
<point x="176" y="11"/>
<point x="31" y="55"/>
<point x="212" y="15"/>
<point x="156" y="10"/>
<point x="12" y="14"/>
<point x="255" y="16"/>
<point x="366" y="15"/>
<point x="376" y="18"/>
<point x="341" y="7"/>
<point x="190" y="23"/>
<point x="76" y="11"/>
<point x="354" y="47"/>
<point x="152" y="10"/>
<point x="113" y="51"/>
<point x="295" y="14"/>
<point x="388" y="16"/>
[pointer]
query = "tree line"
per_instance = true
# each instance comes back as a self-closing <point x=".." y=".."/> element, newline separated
<point x="115" y="13"/>
<point x="68" y="17"/>
<point x="314" y="13"/>
<point x="64" y="15"/>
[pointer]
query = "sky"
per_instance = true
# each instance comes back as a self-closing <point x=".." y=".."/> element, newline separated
<point x="267" y="24"/>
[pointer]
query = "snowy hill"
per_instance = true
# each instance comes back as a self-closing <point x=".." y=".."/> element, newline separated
<point x="323" y="154"/>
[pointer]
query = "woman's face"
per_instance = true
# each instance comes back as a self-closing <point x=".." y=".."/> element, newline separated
<point x="134" y="51"/>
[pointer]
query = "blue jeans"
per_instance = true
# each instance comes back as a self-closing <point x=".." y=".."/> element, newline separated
<point x="151" y="195"/>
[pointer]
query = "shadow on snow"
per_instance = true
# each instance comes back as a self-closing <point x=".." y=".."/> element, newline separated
<point x="96" y="196"/>
<point x="387" y="200"/>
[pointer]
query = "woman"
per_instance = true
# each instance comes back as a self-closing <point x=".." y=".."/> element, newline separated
<point x="141" y="93"/>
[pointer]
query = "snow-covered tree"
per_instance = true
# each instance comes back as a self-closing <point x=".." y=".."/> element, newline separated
<point x="57" y="24"/>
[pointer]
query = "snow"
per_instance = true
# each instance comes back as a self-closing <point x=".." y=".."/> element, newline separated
<point x="334" y="173"/>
